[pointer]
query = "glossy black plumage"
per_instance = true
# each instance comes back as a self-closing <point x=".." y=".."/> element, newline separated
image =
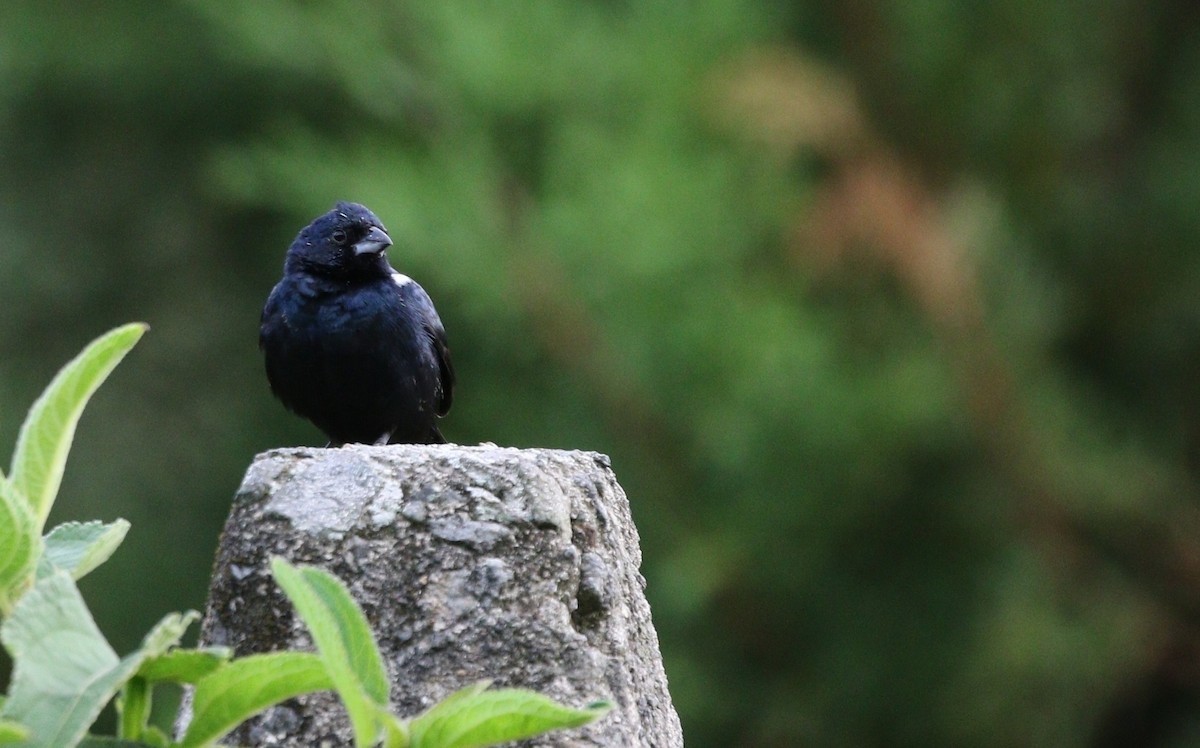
<point x="351" y="344"/>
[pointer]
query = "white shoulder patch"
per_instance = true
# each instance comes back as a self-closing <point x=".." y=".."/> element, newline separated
<point x="401" y="279"/>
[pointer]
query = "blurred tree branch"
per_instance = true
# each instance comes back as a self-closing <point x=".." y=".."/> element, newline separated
<point x="872" y="202"/>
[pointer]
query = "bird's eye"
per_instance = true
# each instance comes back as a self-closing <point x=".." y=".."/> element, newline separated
<point x="339" y="237"/>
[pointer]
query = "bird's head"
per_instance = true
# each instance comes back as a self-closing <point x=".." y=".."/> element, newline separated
<point x="347" y="242"/>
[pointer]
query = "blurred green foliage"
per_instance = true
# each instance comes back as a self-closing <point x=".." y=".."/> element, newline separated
<point x="888" y="313"/>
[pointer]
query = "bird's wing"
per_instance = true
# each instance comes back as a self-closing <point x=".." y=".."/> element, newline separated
<point x="270" y="342"/>
<point x="436" y="333"/>
<point x="271" y="317"/>
<point x="447" y="369"/>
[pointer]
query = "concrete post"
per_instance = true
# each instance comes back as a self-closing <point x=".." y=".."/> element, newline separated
<point x="470" y="563"/>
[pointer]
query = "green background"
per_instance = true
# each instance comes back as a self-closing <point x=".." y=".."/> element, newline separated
<point x="887" y="312"/>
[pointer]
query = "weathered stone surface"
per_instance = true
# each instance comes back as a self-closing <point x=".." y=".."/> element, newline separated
<point x="470" y="563"/>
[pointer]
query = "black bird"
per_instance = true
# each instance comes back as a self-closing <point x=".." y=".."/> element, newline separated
<point x="352" y="345"/>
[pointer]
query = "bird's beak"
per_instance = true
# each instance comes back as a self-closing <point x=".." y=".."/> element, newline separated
<point x="374" y="242"/>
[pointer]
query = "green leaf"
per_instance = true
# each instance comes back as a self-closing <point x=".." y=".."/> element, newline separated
<point x="64" y="671"/>
<point x="248" y="685"/>
<point x="395" y="730"/>
<point x="79" y="547"/>
<point x="19" y="544"/>
<point x="167" y="633"/>
<point x="466" y="692"/>
<point x="471" y="718"/>
<point x="12" y="732"/>
<point x="134" y="702"/>
<point x="344" y="641"/>
<point x="155" y="737"/>
<point x="104" y="741"/>
<point x="133" y="708"/>
<point x="46" y="435"/>
<point x="184" y="665"/>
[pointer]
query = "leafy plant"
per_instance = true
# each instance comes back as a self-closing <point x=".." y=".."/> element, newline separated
<point x="65" y="672"/>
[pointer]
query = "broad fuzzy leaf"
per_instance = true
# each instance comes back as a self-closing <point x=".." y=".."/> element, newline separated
<point x="19" y="544"/>
<point x="64" y="671"/>
<point x="46" y="435"/>
<point x="470" y="718"/>
<point x="79" y="547"/>
<point x="344" y="640"/>
<point x="248" y="685"/>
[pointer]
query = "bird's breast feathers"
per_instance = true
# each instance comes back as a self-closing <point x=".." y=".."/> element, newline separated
<point x="389" y="306"/>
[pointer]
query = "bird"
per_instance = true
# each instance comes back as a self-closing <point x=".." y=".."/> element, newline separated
<point x="350" y="343"/>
